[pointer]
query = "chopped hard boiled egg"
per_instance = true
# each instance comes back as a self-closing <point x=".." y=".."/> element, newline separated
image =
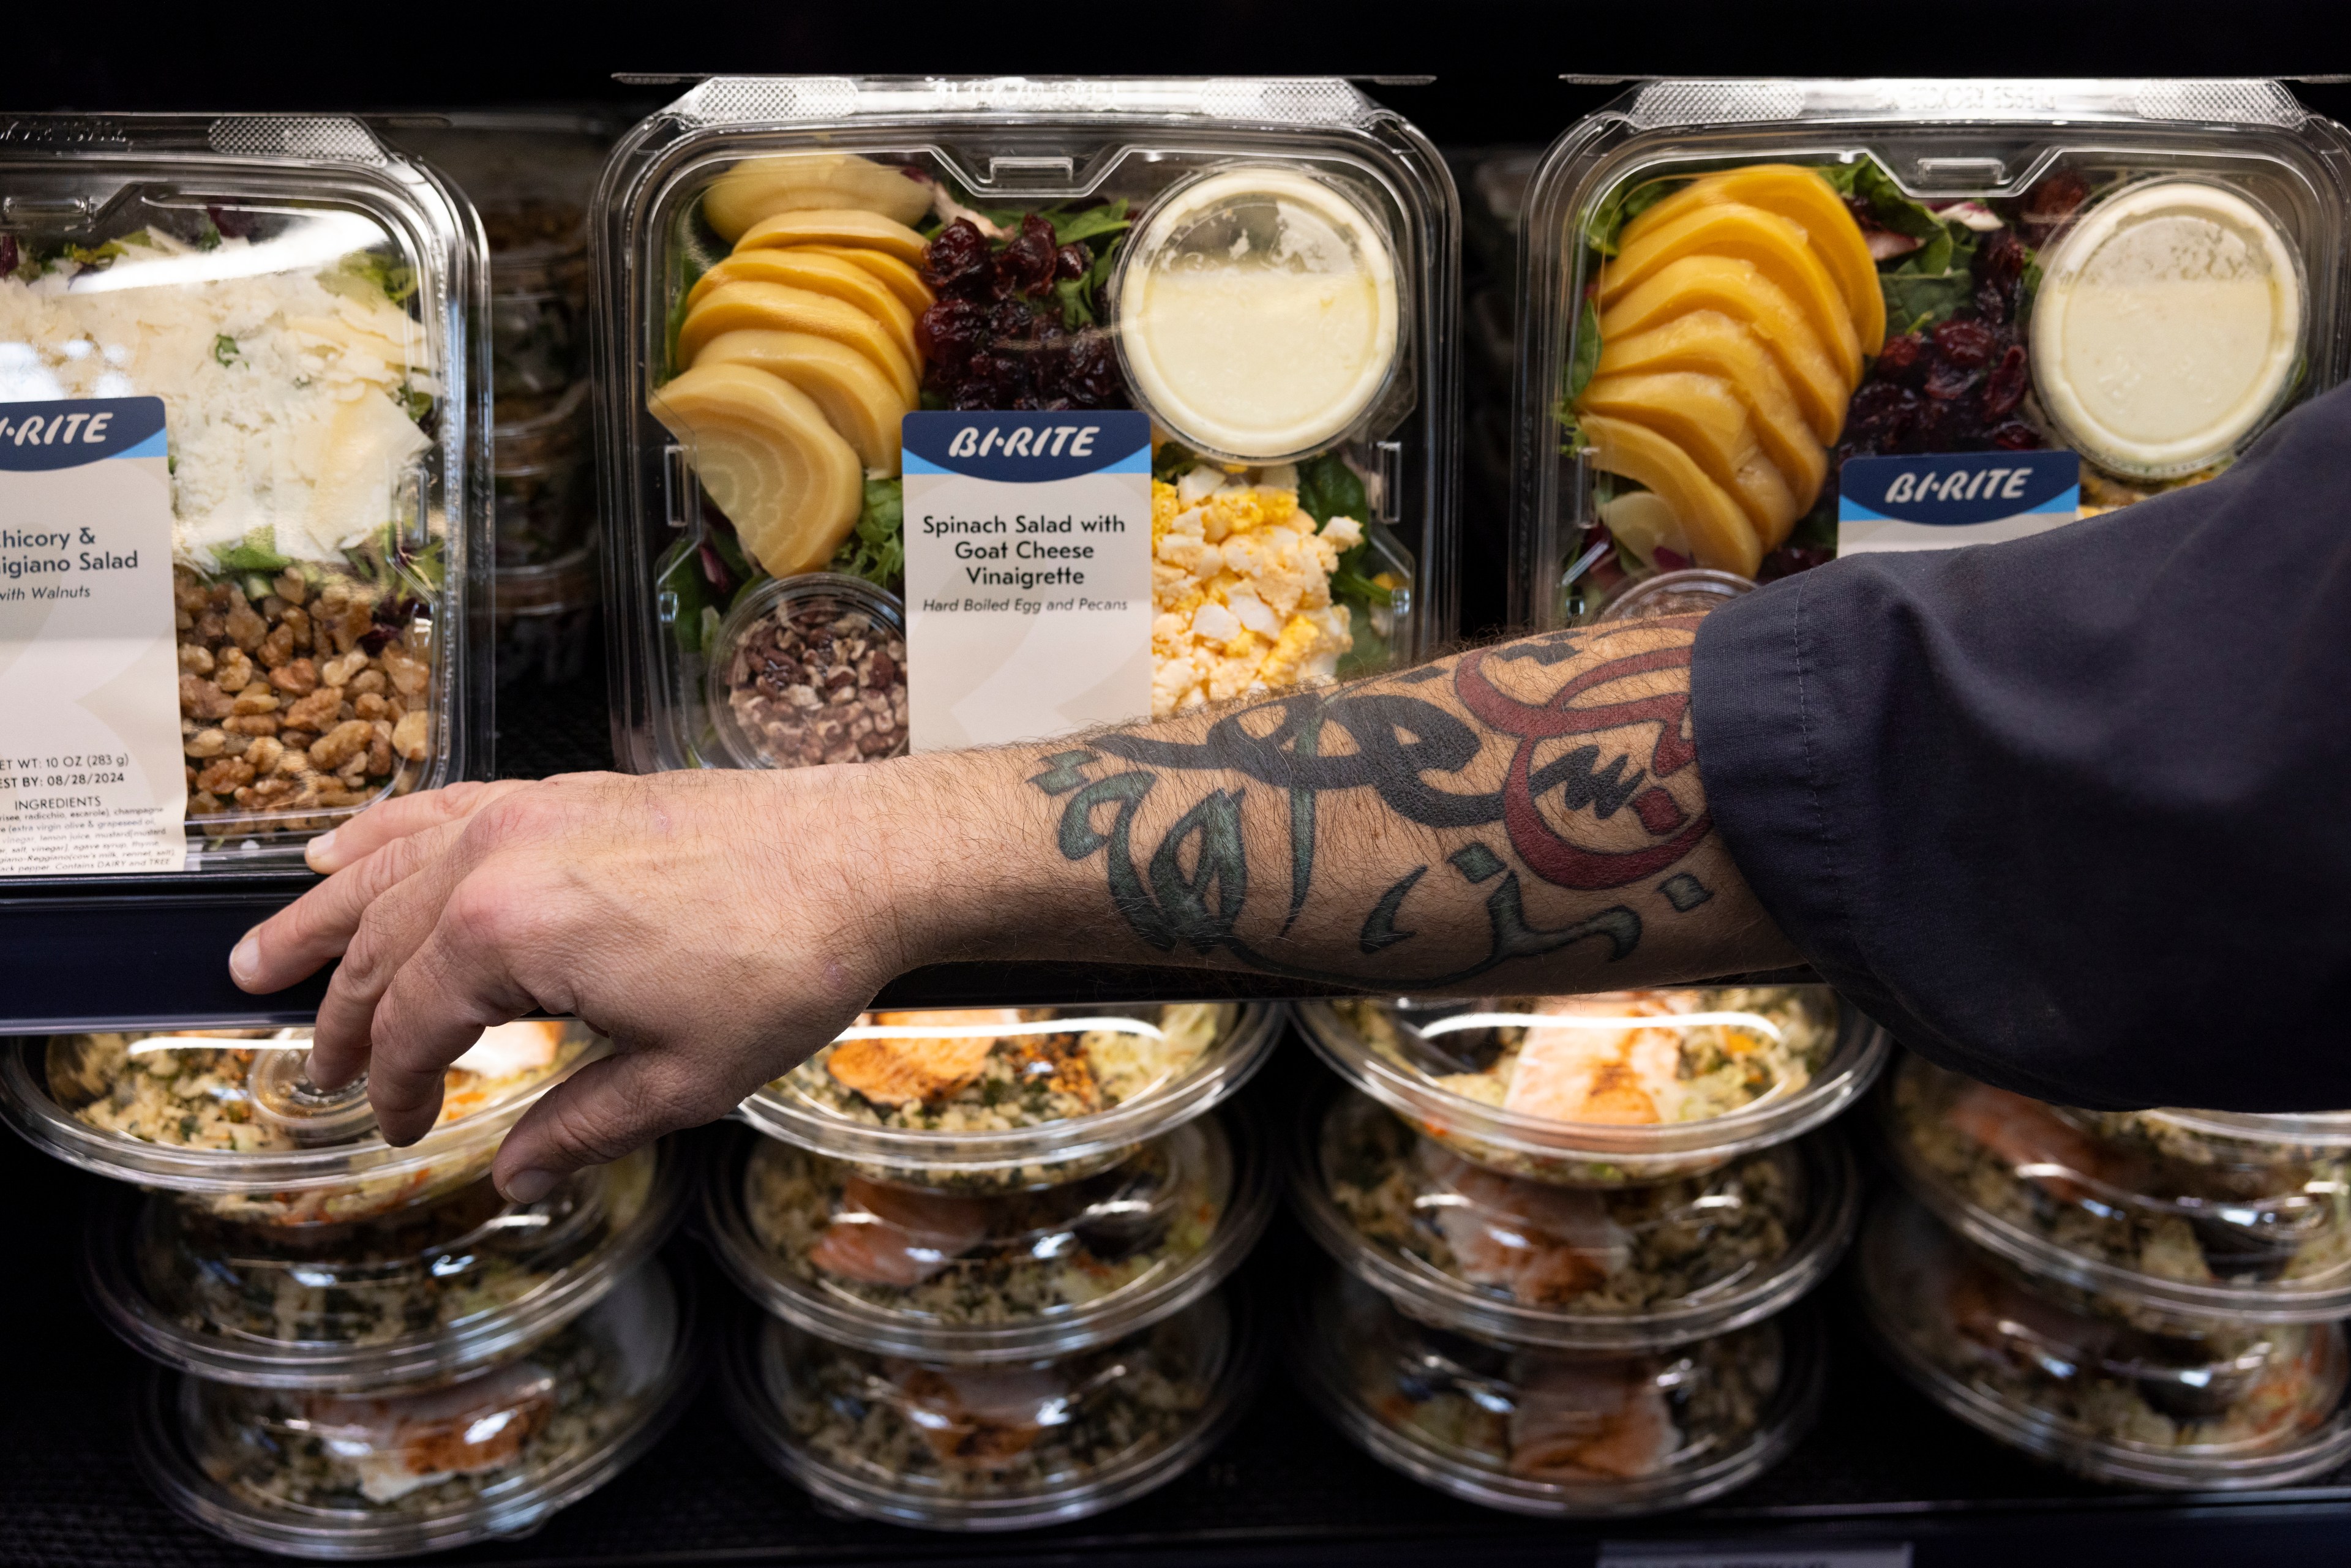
<point x="1241" y="588"/>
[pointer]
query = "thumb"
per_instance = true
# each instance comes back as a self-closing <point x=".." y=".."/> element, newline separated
<point x="603" y="1111"/>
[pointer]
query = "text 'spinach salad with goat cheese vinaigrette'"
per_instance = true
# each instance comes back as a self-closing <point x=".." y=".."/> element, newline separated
<point x="1770" y="323"/>
<point x="242" y="454"/>
<point x="942" y="412"/>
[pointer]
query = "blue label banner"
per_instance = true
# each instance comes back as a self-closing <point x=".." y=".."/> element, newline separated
<point x="1955" y="489"/>
<point x="68" y="432"/>
<point x="1028" y="447"/>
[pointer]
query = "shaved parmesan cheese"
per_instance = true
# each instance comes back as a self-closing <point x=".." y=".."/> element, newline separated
<point x="283" y="396"/>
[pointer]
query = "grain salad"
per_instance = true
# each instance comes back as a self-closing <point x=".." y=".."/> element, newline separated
<point x="967" y="1259"/>
<point x="997" y="1432"/>
<point x="1588" y="1251"/>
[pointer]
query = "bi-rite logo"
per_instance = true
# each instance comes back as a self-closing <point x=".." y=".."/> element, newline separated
<point x="1955" y="489"/>
<point x="1028" y="447"/>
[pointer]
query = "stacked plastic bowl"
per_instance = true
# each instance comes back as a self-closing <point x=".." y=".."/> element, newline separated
<point x="988" y="1246"/>
<point x="2150" y="1298"/>
<point x="363" y="1351"/>
<point x="1569" y="1231"/>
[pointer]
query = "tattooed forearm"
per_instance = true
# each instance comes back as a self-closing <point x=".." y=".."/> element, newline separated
<point x="1535" y="804"/>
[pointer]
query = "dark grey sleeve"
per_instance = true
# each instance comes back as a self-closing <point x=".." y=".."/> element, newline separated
<point x="2070" y="813"/>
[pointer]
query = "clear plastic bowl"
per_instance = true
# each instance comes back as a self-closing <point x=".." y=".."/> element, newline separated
<point x="1569" y="1433"/>
<point x="231" y="1118"/>
<point x="2225" y="1405"/>
<point x="1617" y="1268"/>
<point x="420" y="1298"/>
<point x="992" y="1448"/>
<point x="987" y="1277"/>
<point x="1057" y="1093"/>
<point x="740" y="687"/>
<point x="346" y="1477"/>
<point x="2266" y="1241"/>
<point x="2226" y="1140"/>
<point x="1518" y="1087"/>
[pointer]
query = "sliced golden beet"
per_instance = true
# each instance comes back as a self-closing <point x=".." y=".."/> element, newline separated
<point x="800" y="267"/>
<point x="900" y="277"/>
<point x="759" y="188"/>
<point x="781" y="308"/>
<point x="1741" y="291"/>
<point x="1803" y="197"/>
<point x="1718" y="530"/>
<point x="764" y="454"/>
<point x="823" y="226"/>
<point x="858" y="400"/>
<point x="1706" y="418"/>
<point x="1777" y="247"/>
<point x="1711" y="343"/>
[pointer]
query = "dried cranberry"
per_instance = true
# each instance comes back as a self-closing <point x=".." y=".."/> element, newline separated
<point x="1010" y="321"/>
<point x="713" y="567"/>
<point x="1904" y="360"/>
<point x="2016" y="437"/>
<point x="1880" y="416"/>
<point x="1965" y="343"/>
<point x="1947" y="383"/>
<point x="2053" y="201"/>
<point x="1073" y="261"/>
<point x="1090" y="375"/>
<point x="1945" y="425"/>
<point x="7" y="254"/>
<point x="2004" y="388"/>
<point x="234" y="224"/>
<point x="957" y="261"/>
<point x="949" y="333"/>
<point x="1999" y="261"/>
<point x="1026" y="264"/>
<point x="1992" y="305"/>
<point x="1669" y="559"/>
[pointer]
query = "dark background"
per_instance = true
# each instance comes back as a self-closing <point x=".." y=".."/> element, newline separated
<point x="1883" y="1467"/>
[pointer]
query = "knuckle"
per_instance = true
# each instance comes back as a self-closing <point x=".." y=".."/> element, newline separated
<point x="480" y="911"/>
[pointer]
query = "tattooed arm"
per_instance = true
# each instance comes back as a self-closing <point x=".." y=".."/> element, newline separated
<point x="1527" y="817"/>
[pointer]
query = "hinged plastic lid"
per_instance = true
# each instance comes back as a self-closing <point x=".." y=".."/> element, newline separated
<point x="2249" y="101"/>
<point x="1274" y="100"/>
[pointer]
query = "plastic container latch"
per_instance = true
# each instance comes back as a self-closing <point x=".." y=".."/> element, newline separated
<point x="295" y="136"/>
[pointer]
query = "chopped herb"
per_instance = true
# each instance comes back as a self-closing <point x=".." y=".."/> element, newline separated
<point x="388" y="274"/>
<point x="224" y="348"/>
<point x="257" y="552"/>
<point x="1173" y="461"/>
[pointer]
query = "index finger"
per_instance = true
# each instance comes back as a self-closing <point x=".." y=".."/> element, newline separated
<point x="397" y="818"/>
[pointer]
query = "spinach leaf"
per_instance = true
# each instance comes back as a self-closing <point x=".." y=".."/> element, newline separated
<point x="388" y="274"/>
<point x="1109" y="218"/>
<point x="1621" y="208"/>
<point x="682" y="595"/>
<point x="1328" y="488"/>
<point x="1926" y="288"/>
<point x="1889" y="206"/>
<point x="1587" y="349"/>
<point x="1174" y="460"/>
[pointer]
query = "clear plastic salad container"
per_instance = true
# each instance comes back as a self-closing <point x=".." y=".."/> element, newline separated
<point x="1546" y="1431"/>
<point x="345" y="1475"/>
<point x="788" y="267"/>
<point x="1734" y="287"/>
<point x="955" y="1446"/>
<point x="2268" y="1241"/>
<point x="2204" y="1405"/>
<point x="989" y="1277"/>
<point x="1615" y="1089"/>
<point x="1577" y="1268"/>
<point x="996" y="1098"/>
<point x="309" y="306"/>
<point x="423" y="1297"/>
<point x="231" y="1119"/>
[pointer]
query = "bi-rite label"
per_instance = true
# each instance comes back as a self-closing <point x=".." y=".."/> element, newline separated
<point x="1935" y="501"/>
<point x="1028" y="574"/>
<point x="91" y="775"/>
